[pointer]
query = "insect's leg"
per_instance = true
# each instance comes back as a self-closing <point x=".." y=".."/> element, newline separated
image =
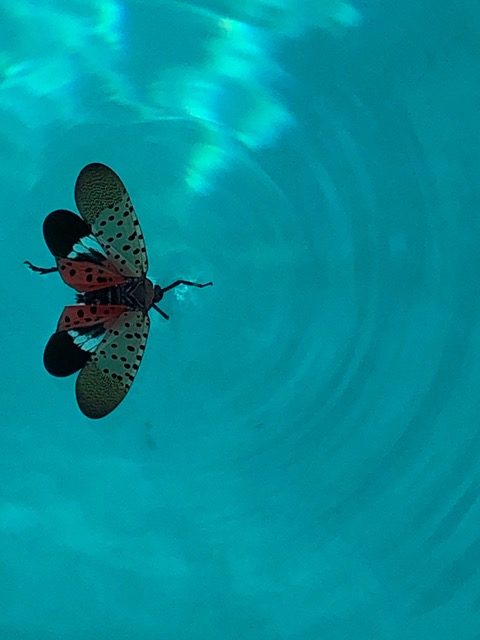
<point x="187" y="283"/>
<point x="41" y="270"/>
<point x="161" y="312"/>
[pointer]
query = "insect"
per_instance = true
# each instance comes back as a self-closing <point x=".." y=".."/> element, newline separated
<point x="104" y="335"/>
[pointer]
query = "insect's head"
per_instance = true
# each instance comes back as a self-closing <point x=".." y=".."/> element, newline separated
<point x="157" y="293"/>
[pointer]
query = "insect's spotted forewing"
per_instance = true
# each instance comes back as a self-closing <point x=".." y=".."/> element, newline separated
<point x="105" y="206"/>
<point x="106" y="378"/>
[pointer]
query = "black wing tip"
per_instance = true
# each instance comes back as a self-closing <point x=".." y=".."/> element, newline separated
<point x="93" y="416"/>
<point x="62" y="357"/>
<point x="94" y="166"/>
<point x="62" y="229"/>
<point x="86" y="173"/>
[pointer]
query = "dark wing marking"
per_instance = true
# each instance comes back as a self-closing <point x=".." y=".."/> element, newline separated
<point x="105" y="205"/>
<point x="63" y="229"/>
<point x="62" y="356"/>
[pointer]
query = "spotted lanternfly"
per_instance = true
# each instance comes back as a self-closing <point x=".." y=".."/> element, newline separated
<point x="104" y="335"/>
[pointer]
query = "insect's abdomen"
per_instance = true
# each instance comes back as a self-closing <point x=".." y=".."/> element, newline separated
<point x="109" y="295"/>
<point x="136" y="293"/>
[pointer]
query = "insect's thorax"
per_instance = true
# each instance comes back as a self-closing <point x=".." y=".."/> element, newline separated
<point x="136" y="293"/>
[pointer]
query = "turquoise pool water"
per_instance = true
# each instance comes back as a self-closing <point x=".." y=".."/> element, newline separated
<point x="298" y="457"/>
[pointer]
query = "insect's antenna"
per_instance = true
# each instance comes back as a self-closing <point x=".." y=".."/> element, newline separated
<point x="41" y="270"/>
<point x="162" y="313"/>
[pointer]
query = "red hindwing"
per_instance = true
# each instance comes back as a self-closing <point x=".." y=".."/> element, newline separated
<point x="86" y="276"/>
<point x="79" y="316"/>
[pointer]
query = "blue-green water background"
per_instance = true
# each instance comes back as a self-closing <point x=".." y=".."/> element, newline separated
<point x="299" y="455"/>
